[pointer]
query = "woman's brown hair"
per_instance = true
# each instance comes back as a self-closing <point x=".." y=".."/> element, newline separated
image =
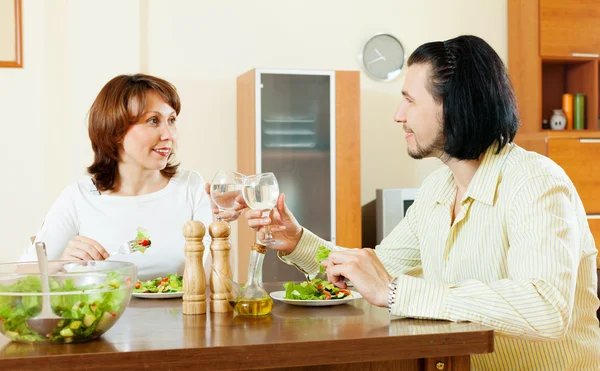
<point x="111" y="115"/>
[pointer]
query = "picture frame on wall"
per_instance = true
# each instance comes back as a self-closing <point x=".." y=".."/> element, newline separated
<point x="11" y="34"/>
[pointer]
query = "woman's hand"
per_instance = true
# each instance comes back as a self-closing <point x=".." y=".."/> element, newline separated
<point x="227" y="215"/>
<point x="284" y="226"/>
<point x="83" y="248"/>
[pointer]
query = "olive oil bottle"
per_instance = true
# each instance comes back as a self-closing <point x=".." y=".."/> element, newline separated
<point x="253" y="299"/>
<point x="253" y="307"/>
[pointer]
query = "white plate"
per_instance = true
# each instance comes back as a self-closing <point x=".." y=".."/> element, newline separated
<point x="156" y="295"/>
<point x="280" y="295"/>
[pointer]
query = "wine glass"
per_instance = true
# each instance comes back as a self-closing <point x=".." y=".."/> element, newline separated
<point x="225" y="187"/>
<point x="260" y="193"/>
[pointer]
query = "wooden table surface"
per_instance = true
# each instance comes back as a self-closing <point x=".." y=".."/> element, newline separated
<point x="155" y="334"/>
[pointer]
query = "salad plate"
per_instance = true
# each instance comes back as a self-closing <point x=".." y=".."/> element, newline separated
<point x="157" y="295"/>
<point x="280" y="296"/>
<point x="168" y="287"/>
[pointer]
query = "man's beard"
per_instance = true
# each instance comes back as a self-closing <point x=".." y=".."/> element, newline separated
<point x="428" y="151"/>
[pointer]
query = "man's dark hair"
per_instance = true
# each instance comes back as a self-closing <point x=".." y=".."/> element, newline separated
<point x="468" y="77"/>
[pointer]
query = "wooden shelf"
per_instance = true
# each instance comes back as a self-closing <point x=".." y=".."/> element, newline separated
<point x="579" y="76"/>
<point x="572" y="133"/>
<point x="562" y="134"/>
<point x="568" y="59"/>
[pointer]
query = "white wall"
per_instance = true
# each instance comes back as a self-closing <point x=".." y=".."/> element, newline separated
<point x="24" y="174"/>
<point x="202" y="46"/>
<point x="202" y="49"/>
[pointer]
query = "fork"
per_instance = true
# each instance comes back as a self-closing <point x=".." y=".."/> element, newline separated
<point x="321" y="276"/>
<point x="124" y="249"/>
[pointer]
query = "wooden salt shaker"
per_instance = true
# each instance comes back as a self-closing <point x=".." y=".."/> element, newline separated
<point x="219" y="249"/>
<point x="194" y="281"/>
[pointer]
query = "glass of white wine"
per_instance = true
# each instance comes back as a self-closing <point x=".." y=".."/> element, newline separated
<point x="225" y="187"/>
<point x="260" y="193"/>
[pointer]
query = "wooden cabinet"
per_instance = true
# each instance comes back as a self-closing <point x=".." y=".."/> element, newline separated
<point x="579" y="158"/>
<point x="553" y="49"/>
<point x="540" y="66"/>
<point x="569" y="27"/>
<point x="304" y="126"/>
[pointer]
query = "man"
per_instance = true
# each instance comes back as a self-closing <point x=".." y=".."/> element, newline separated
<point x="498" y="236"/>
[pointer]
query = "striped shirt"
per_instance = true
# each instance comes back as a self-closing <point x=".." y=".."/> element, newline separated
<point x="519" y="258"/>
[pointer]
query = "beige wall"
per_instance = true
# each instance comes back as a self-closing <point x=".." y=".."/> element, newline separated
<point x="201" y="47"/>
<point x="24" y="128"/>
<point x="7" y="30"/>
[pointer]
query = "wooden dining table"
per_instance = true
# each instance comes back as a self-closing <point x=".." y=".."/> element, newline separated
<point x="155" y="335"/>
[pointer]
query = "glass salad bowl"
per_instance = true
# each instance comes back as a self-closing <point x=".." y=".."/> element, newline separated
<point x="88" y="296"/>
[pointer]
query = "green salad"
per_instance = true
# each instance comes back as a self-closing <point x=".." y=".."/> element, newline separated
<point x="88" y="312"/>
<point x="142" y="241"/>
<point x="316" y="289"/>
<point x="170" y="283"/>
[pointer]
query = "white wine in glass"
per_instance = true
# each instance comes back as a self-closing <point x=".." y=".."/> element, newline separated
<point x="260" y="193"/>
<point x="225" y="187"/>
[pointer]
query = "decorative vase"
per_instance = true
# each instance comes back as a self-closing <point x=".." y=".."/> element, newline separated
<point x="558" y="121"/>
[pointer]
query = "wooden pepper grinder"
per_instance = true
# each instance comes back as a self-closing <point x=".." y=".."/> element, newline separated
<point x="219" y="249"/>
<point x="194" y="281"/>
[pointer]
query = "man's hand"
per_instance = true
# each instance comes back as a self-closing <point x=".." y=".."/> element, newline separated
<point x="284" y="226"/>
<point x="364" y="270"/>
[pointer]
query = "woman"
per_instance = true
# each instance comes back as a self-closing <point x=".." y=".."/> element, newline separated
<point x="133" y="182"/>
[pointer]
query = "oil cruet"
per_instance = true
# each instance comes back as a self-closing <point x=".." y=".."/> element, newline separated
<point x="251" y="299"/>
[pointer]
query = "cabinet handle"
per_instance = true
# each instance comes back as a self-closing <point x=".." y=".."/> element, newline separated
<point x="587" y="140"/>
<point x="586" y="55"/>
<point x="592" y="216"/>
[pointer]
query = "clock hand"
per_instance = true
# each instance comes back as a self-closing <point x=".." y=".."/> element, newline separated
<point x="376" y="60"/>
<point x="379" y="54"/>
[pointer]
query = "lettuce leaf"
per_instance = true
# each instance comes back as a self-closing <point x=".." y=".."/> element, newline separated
<point x="302" y="291"/>
<point x="322" y="254"/>
<point x="142" y="234"/>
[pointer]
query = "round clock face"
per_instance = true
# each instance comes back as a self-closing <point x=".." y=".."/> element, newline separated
<point x="383" y="57"/>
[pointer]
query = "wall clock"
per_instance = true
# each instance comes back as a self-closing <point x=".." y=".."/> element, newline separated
<point x="383" y="57"/>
